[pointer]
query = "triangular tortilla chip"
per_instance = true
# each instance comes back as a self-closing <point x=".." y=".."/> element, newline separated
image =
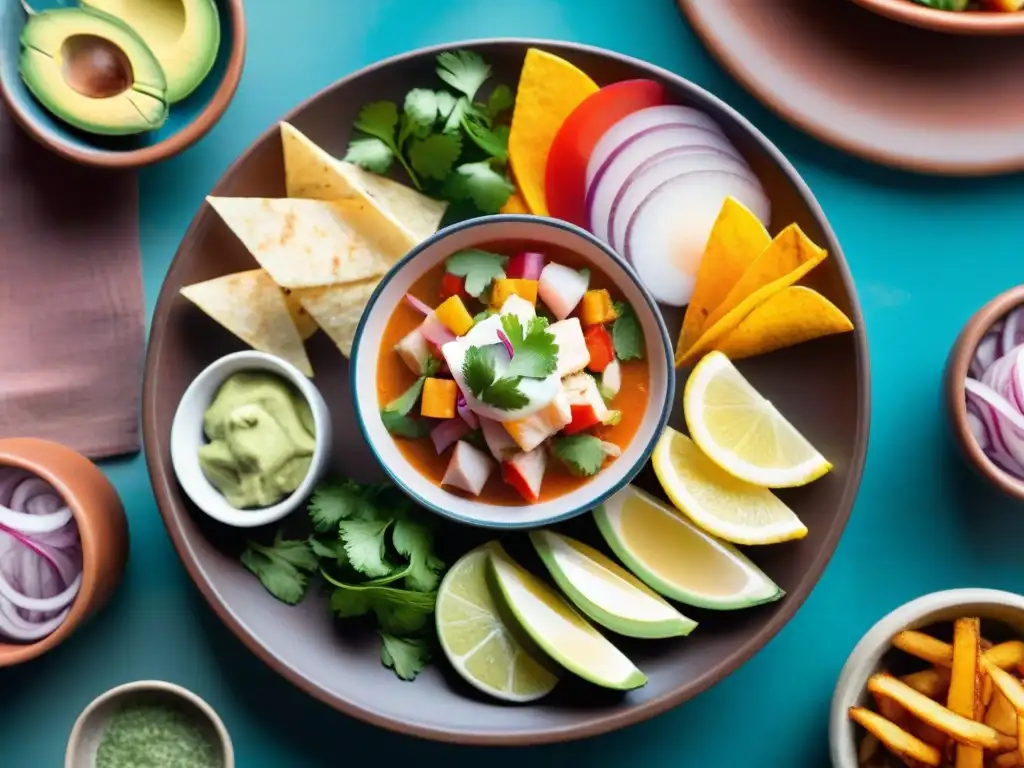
<point x="737" y="238"/>
<point x="304" y="324"/>
<point x="550" y="88"/>
<point x="311" y="172"/>
<point x="515" y="204"/>
<point x="305" y="243"/>
<point x="337" y="309"/>
<point x="792" y="316"/>
<point x="253" y="307"/>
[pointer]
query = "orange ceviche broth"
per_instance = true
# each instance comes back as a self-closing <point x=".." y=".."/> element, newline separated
<point x="394" y="377"/>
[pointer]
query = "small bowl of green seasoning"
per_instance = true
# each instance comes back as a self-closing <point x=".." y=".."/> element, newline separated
<point x="149" y="723"/>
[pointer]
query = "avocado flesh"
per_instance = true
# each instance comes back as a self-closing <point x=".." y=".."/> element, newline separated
<point x="140" y="107"/>
<point x="183" y="34"/>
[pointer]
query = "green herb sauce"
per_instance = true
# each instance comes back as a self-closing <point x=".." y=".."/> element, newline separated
<point x="150" y="733"/>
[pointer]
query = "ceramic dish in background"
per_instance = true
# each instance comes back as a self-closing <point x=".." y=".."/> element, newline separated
<point x="873" y="88"/>
<point x="954" y="396"/>
<point x="302" y="642"/>
<point x="189" y="119"/>
<point x="529" y="233"/>
<point x="874" y="650"/>
<point x="974" y="22"/>
<point x="187" y="437"/>
<point x="102" y="527"/>
<point x="88" y="728"/>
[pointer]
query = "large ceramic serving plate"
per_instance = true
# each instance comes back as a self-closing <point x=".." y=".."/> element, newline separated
<point x="892" y="93"/>
<point x="823" y="385"/>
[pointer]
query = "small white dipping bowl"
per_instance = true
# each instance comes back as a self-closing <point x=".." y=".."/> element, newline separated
<point x="544" y="235"/>
<point x="87" y="731"/>
<point x="187" y="437"/>
<point x="866" y="659"/>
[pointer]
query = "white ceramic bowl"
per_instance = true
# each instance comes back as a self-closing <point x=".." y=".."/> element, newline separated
<point x="88" y="728"/>
<point x="851" y="690"/>
<point x="187" y="437"/>
<point x="542" y="234"/>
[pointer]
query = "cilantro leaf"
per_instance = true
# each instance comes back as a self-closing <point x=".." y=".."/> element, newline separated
<point x="406" y="401"/>
<point x="379" y="119"/>
<point x="501" y="98"/>
<point x="627" y="335"/>
<point x="492" y="141"/>
<point x="479" y="183"/>
<point x="370" y="153"/>
<point x="398" y="611"/>
<point x="445" y="104"/>
<point x="478" y="267"/>
<point x="283" y="567"/>
<point x="478" y="369"/>
<point x="465" y="71"/>
<point x="414" y="541"/>
<point x="433" y="157"/>
<point x="400" y="425"/>
<point x="479" y="317"/>
<point x="329" y="548"/>
<point x="364" y="545"/>
<point x="505" y="394"/>
<point x="333" y="502"/>
<point x="420" y="111"/>
<point x="583" y="455"/>
<point x="454" y="121"/>
<point x="407" y="656"/>
<point x="535" y="352"/>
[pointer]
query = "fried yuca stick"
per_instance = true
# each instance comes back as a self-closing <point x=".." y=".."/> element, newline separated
<point x="960" y="728"/>
<point x="1008" y="760"/>
<point x="964" y="685"/>
<point x="933" y="683"/>
<point x="895" y="739"/>
<point x="935" y="651"/>
<point x="1001" y="714"/>
<point x="1007" y="684"/>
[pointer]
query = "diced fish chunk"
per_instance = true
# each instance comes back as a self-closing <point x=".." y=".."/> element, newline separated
<point x="468" y="469"/>
<point x="581" y="389"/>
<point x="525" y="472"/>
<point x="561" y="289"/>
<point x="520" y="307"/>
<point x="499" y="441"/>
<point x="414" y="351"/>
<point x="531" y="431"/>
<point x="573" y="354"/>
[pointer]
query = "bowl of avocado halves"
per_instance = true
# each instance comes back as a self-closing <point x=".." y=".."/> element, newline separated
<point x="117" y="83"/>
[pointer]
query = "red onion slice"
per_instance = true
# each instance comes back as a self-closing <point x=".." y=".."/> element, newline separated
<point x="418" y="305"/>
<point x="17" y="628"/>
<point x="467" y="413"/>
<point x="506" y="343"/>
<point x="986" y="354"/>
<point x="436" y="332"/>
<point x="526" y="265"/>
<point x="1012" y="334"/>
<point x="978" y="429"/>
<point x="1005" y="426"/>
<point x="447" y="433"/>
<point x="27" y="522"/>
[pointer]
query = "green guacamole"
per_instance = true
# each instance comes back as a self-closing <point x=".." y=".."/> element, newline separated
<point x="261" y="437"/>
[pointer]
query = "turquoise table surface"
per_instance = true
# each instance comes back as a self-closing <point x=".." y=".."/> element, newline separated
<point x="925" y="253"/>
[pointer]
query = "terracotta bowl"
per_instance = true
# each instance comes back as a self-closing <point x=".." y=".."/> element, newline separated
<point x="951" y="22"/>
<point x="954" y="401"/>
<point x="189" y="120"/>
<point x="101" y="524"/>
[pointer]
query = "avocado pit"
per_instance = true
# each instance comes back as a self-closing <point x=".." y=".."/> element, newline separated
<point x="96" y="67"/>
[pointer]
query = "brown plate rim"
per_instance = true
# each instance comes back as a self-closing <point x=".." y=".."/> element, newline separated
<point x="950" y="22"/>
<point x="162" y="477"/>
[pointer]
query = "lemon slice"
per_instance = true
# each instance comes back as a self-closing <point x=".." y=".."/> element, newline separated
<point x="674" y="557"/>
<point x="605" y="591"/>
<point x="476" y="640"/>
<point x="744" y="433"/>
<point x="721" y="504"/>
<point x="561" y="632"/>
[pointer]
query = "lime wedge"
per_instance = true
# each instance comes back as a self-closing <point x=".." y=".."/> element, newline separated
<point x="605" y="591"/>
<point x="674" y="557"/>
<point x="561" y="632"/>
<point x="476" y="640"/>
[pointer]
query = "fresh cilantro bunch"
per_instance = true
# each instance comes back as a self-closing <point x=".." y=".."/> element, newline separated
<point x="534" y="356"/>
<point x="449" y="143"/>
<point x="376" y="550"/>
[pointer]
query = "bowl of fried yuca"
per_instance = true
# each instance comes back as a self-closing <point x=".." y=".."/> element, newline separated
<point x="937" y="682"/>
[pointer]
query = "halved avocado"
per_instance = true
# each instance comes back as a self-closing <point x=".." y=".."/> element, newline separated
<point x="93" y="72"/>
<point x="184" y="35"/>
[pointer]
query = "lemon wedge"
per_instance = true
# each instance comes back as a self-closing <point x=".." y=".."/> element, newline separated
<point x="721" y="504"/>
<point x="676" y="558"/>
<point x="605" y="591"/>
<point x="477" y="642"/>
<point x="561" y="632"/>
<point x="742" y="432"/>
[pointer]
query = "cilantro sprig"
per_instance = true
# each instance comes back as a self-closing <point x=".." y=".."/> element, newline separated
<point x="395" y="414"/>
<point x="627" y="335"/>
<point x="583" y="455"/>
<point x="479" y="268"/>
<point x="534" y="356"/>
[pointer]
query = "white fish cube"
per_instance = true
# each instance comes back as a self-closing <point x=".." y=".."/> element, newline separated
<point x="499" y="441"/>
<point x="573" y="354"/>
<point x="520" y="307"/>
<point x="561" y="289"/>
<point x="468" y="469"/>
<point x="531" y="431"/>
<point x="414" y="351"/>
<point x="530" y="467"/>
<point x="581" y="389"/>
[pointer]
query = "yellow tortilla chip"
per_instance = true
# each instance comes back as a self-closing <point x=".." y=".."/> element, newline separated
<point x="306" y="243"/>
<point x="737" y="238"/>
<point x="253" y="307"/>
<point x="337" y="309"/>
<point x="304" y="324"/>
<point x="310" y="172"/>
<point x="792" y="316"/>
<point x="549" y="90"/>
<point x="515" y="204"/>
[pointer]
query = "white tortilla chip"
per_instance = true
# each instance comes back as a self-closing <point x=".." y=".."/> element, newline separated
<point x="305" y="243"/>
<point x="313" y="173"/>
<point x="337" y="309"/>
<point x="253" y="307"/>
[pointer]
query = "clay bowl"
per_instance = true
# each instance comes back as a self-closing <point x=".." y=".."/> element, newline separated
<point x="189" y="120"/>
<point x="101" y="524"/>
<point x="950" y="22"/>
<point x="340" y="664"/>
<point x="954" y="398"/>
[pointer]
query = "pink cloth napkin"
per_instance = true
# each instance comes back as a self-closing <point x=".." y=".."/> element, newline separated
<point x="71" y="304"/>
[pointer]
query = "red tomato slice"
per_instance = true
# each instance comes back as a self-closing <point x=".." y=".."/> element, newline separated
<point x="566" y="173"/>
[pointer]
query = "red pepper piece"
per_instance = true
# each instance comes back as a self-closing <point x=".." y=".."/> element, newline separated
<point x="510" y="474"/>
<point x="583" y="417"/>
<point x="599" y="344"/>
<point x="453" y="285"/>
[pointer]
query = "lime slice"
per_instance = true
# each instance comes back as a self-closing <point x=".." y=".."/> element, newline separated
<point x="676" y="558"/>
<point x="476" y="640"/>
<point x="744" y="433"/>
<point x="561" y="632"/>
<point x="721" y="504"/>
<point x="605" y="591"/>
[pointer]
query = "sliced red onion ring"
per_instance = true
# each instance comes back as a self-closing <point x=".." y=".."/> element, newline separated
<point x="467" y="413"/>
<point x="1013" y="329"/>
<point x="30" y="523"/>
<point x="447" y="433"/>
<point x="986" y="354"/>
<point x="436" y="332"/>
<point x="416" y="304"/>
<point x="506" y="343"/>
<point x="17" y="628"/>
<point x="1005" y="426"/>
<point x="978" y="429"/>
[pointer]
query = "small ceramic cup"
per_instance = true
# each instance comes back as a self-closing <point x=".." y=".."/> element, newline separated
<point x="87" y="731"/>
<point x="187" y="437"/>
<point x="954" y="396"/>
<point x="871" y="652"/>
<point x="102" y="527"/>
